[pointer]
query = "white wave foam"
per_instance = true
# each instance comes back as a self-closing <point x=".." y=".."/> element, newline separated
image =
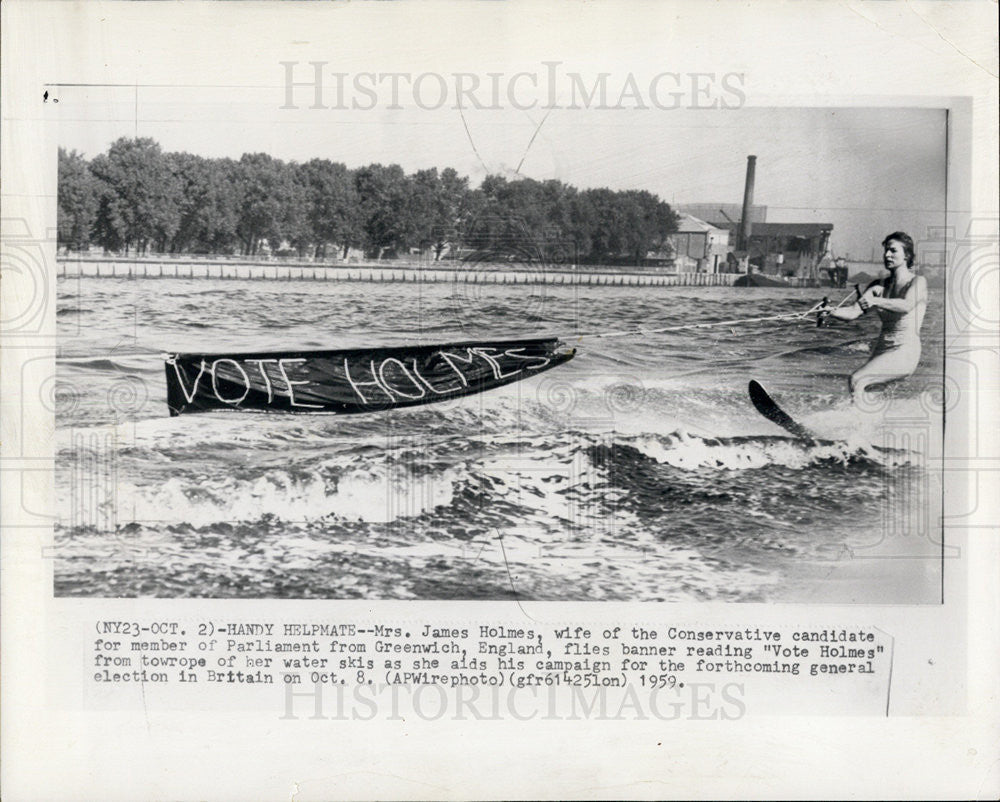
<point x="897" y="423"/>
<point x="690" y="452"/>
<point x="372" y="496"/>
<point x="369" y="495"/>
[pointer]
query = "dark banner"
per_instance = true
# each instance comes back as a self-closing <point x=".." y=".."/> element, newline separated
<point x="351" y="381"/>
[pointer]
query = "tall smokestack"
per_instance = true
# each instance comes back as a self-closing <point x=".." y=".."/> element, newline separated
<point x="743" y="240"/>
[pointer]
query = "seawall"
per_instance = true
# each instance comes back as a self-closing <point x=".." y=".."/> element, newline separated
<point x="374" y="272"/>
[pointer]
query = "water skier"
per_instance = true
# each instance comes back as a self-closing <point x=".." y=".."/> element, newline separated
<point x="900" y="300"/>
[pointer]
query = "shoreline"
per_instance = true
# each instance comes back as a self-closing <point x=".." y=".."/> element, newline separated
<point x="493" y="273"/>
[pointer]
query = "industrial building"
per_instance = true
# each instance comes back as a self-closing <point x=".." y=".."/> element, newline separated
<point x="789" y="250"/>
<point x="699" y="247"/>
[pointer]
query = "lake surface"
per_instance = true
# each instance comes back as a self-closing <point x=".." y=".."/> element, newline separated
<point x="638" y="471"/>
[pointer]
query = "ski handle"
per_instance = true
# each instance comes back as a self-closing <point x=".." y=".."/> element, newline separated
<point x="824" y="309"/>
<point x="821" y="313"/>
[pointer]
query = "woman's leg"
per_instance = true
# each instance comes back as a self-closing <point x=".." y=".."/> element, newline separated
<point x="881" y="368"/>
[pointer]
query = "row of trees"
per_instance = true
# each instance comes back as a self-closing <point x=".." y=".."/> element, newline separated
<point x="137" y="199"/>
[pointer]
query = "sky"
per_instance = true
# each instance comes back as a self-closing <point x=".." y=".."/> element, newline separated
<point x="868" y="171"/>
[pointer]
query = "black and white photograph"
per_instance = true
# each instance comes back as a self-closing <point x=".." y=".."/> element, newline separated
<point x="569" y="353"/>
<point x="458" y="400"/>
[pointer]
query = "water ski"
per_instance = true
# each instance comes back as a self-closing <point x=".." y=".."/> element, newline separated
<point x="767" y="407"/>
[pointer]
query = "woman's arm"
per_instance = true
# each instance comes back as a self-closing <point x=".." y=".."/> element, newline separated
<point x="852" y="312"/>
<point x="859" y="307"/>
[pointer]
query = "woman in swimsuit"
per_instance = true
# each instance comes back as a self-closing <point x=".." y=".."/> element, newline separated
<point x="900" y="300"/>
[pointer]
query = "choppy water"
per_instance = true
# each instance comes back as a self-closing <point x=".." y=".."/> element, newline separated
<point x="638" y="471"/>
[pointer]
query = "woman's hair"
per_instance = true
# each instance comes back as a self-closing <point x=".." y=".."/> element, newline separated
<point x="906" y="241"/>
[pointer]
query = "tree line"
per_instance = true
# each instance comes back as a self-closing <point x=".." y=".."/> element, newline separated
<point x="136" y="199"/>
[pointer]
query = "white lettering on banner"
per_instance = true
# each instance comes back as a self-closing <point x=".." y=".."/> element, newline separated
<point x="439" y="391"/>
<point x="513" y="354"/>
<point x="180" y="380"/>
<point x="395" y="380"/>
<point x="357" y="385"/>
<point x="497" y="372"/>
<point x="215" y="386"/>
<point x="267" y="379"/>
<point x="389" y="386"/>
<point x="385" y="382"/>
<point x="468" y="361"/>
<point x="289" y="382"/>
